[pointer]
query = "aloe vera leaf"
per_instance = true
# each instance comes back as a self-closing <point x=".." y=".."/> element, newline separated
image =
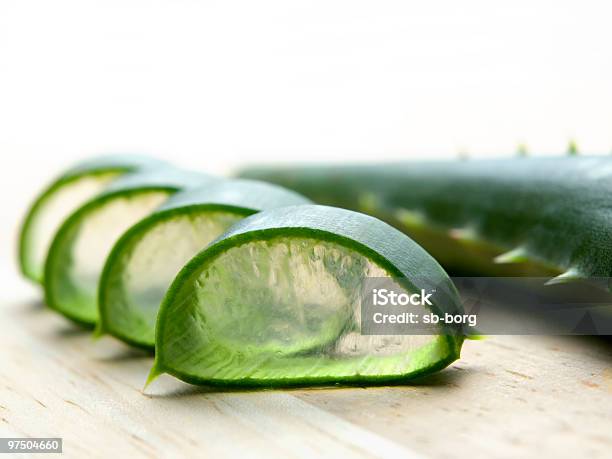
<point x="64" y="195"/>
<point x="147" y="257"/>
<point x="555" y="210"/>
<point x="80" y="247"/>
<point x="275" y="302"/>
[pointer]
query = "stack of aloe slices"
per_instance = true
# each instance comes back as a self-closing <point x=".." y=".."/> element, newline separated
<point x="267" y="290"/>
<point x="80" y="246"/>
<point x="147" y="257"/>
<point x="63" y="196"/>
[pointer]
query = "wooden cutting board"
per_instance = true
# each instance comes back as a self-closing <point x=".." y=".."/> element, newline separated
<point x="509" y="396"/>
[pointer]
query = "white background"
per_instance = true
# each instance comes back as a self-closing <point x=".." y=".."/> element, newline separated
<point x="214" y="84"/>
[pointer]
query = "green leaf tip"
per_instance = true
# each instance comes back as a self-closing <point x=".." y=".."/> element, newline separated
<point x="98" y="332"/>
<point x="517" y="255"/>
<point x="156" y="371"/>
<point x="571" y="275"/>
<point x="572" y="148"/>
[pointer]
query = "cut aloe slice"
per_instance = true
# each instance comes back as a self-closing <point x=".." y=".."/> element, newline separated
<point x="80" y="247"/>
<point x="276" y="301"/>
<point x="147" y="257"/>
<point x="61" y="198"/>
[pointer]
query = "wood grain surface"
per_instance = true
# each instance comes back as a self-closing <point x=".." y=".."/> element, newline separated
<point x="508" y="396"/>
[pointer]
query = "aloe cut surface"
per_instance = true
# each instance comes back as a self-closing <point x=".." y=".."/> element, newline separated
<point x="519" y="216"/>
<point x="275" y="302"/>
<point x="147" y="257"/>
<point x="80" y="247"/>
<point x="64" y="195"/>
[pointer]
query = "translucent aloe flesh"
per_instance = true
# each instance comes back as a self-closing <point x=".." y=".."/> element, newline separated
<point x="137" y="279"/>
<point x="78" y="253"/>
<point x="276" y="301"/>
<point x="61" y="198"/>
<point x="80" y="247"/>
<point x="521" y="216"/>
<point x="147" y="257"/>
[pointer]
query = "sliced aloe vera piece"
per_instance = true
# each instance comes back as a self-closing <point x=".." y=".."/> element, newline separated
<point x="80" y="247"/>
<point x="147" y="257"/>
<point x="63" y="196"/>
<point x="275" y="301"/>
